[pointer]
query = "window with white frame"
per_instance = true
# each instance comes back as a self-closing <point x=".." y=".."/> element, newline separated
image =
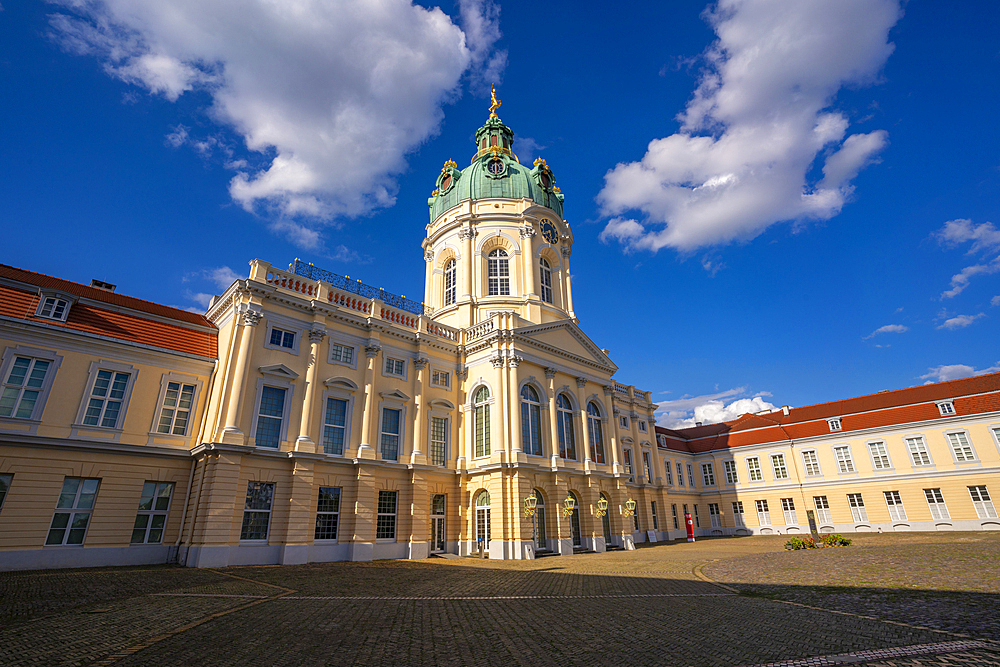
<point x="642" y="426"/>
<point x="834" y="424"/>
<point x="23" y="387"/>
<point x="811" y="463"/>
<point x="714" y="516"/>
<point x="342" y="354"/>
<point x="690" y="469"/>
<point x="5" y="481"/>
<point x="935" y="501"/>
<point x="669" y="472"/>
<point x="980" y="498"/>
<point x="385" y="522"/>
<point x="327" y="513"/>
<point x="175" y="410"/>
<point x="623" y="421"/>
<point x="281" y="338"/>
<point x="395" y="367"/>
<point x="450" y="268"/>
<point x="738" y="516"/>
<point x="546" y="280"/>
<point x="961" y="448"/>
<point x="858" y="511"/>
<point x="753" y="469"/>
<point x="270" y="414"/>
<point x="481" y="419"/>
<point x="732" y="475"/>
<point x="595" y="426"/>
<point x="53" y="308"/>
<point x="708" y="474"/>
<point x="778" y="466"/>
<point x="334" y="426"/>
<point x="107" y="399"/>
<point x="946" y="408"/>
<point x="673" y="512"/>
<point x="389" y="438"/>
<point x="498" y="271"/>
<point x="440" y="379"/>
<point x="844" y="461"/>
<point x="680" y="474"/>
<point x="895" y="504"/>
<point x="822" y="506"/>
<point x="257" y="511"/>
<point x="73" y="510"/>
<point x="150" y="519"/>
<point x="919" y="455"/>
<point x="564" y="422"/>
<point x="531" y="421"/>
<point x="697" y="521"/>
<point x="880" y="456"/>
<point x="656" y="523"/>
<point x="439" y="440"/>
<point x="788" y="509"/>
<point x="649" y="466"/>
<point x="627" y="462"/>
<point x="763" y="514"/>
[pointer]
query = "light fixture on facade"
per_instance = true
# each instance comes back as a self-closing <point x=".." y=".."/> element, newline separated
<point x="602" y="507"/>
<point x="529" y="505"/>
<point x="569" y="505"/>
<point x="629" y="507"/>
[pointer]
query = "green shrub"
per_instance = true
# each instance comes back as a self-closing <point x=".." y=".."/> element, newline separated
<point x="796" y="543"/>
<point x="835" y="540"/>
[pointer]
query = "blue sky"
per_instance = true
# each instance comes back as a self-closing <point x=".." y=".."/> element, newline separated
<point x="774" y="203"/>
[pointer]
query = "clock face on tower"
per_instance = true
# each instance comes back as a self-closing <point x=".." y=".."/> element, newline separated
<point x="549" y="232"/>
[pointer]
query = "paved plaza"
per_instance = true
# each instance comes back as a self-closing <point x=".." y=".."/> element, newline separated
<point x="900" y="599"/>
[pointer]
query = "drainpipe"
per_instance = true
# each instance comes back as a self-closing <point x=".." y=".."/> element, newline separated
<point x="187" y="501"/>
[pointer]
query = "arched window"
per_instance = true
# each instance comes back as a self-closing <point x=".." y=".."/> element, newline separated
<point x="531" y="420"/>
<point x="564" y="419"/>
<point x="498" y="271"/>
<point x="482" y="425"/>
<point x="546" y="278"/>
<point x="449" y="282"/>
<point x="596" y="430"/>
<point x="483" y="519"/>
<point x="540" y="541"/>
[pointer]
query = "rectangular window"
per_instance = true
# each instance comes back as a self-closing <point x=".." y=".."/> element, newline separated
<point x="53" y="308"/>
<point x="858" y="510"/>
<point x="327" y="513"/>
<point x="788" y="509"/>
<point x="961" y="447"/>
<point x="880" y="457"/>
<point x="753" y="468"/>
<point x="154" y="503"/>
<point x="390" y="434"/>
<point x="732" y="476"/>
<point x="257" y="511"/>
<point x="334" y="426"/>
<point x="708" y="474"/>
<point x="105" y="404"/>
<point x="834" y="424"/>
<point x="642" y="426"/>
<point x="918" y="451"/>
<point x="440" y="379"/>
<point x="738" y="514"/>
<point x="22" y="387"/>
<point x="439" y="440"/>
<point x="822" y="506"/>
<point x="282" y="338"/>
<point x="5" y="482"/>
<point x="385" y="523"/>
<point x="627" y="453"/>
<point x="980" y="498"/>
<point x="649" y="466"/>
<point x="341" y="353"/>
<point x="811" y="463"/>
<point x="656" y="524"/>
<point x="394" y="366"/>
<point x="763" y="515"/>
<point x="946" y="408"/>
<point x="269" y="416"/>
<point x="778" y="466"/>
<point x="939" y="511"/>
<point x="895" y="505"/>
<point x="714" y="516"/>
<point x="176" y="409"/>
<point x="623" y="421"/>
<point x="673" y="511"/>
<point x="669" y="472"/>
<point x="690" y="469"/>
<point x="697" y="521"/>
<point x="73" y="509"/>
<point x="680" y="474"/>
<point x="844" y="461"/>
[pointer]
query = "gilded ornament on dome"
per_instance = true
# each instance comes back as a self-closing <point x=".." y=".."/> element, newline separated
<point x="450" y="164"/>
<point x="434" y="193"/>
<point x="494" y="102"/>
<point x="541" y="161"/>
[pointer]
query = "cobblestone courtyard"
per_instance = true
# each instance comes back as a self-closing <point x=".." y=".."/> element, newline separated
<point x="901" y="599"/>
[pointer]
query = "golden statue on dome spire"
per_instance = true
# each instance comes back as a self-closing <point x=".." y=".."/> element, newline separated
<point x="495" y="103"/>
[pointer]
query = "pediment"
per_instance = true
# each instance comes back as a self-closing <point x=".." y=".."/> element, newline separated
<point x="566" y="337"/>
<point x="395" y="394"/>
<point x="340" y="382"/>
<point x="441" y="404"/>
<point x="279" y="370"/>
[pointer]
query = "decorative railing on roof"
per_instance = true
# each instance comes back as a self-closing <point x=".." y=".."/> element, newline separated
<point x="307" y="270"/>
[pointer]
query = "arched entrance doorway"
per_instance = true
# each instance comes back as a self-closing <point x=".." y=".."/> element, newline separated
<point x="437" y="524"/>
<point x="483" y="520"/>
<point x="606" y="521"/>
<point x="540" y="541"/>
<point x="575" y="522"/>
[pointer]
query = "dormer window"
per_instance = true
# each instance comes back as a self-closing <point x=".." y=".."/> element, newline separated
<point x="834" y="423"/>
<point x="53" y="308"/>
<point x="947" y="408"/>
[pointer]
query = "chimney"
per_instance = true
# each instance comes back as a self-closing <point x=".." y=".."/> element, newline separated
<point x="784" y="410"/>
<point x="100" y="284"/>
<point x="697" y="423"/>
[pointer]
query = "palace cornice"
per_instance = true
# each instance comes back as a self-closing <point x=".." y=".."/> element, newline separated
<point x="13" y="439"/>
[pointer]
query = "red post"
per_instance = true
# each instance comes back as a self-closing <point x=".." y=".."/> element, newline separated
<point x="690" y="526"/>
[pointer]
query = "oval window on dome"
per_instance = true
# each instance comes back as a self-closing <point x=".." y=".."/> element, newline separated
<point x="544" y="178"/>
<point x="495" y="167"/>
<point x="446" y="182"/>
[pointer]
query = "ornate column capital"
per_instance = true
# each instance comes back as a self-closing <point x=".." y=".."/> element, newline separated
<point x="428" y="255"/>
<point x="527" y="231"/>
<point x="497" y="360"/>
<point x="581" y="382"/>
<point x="372" y="349"/>
<point x="251" y="318"/>
<point x="467" y="233"/>
<point x="565" y="251"/>
<point x="514" y="361"/>
<point x="316" y="336"/>
<point x="608" y="389"/>
<point x="550" y="372"/>
<point x="462" y="374"/>
<point x="420" y="363"/>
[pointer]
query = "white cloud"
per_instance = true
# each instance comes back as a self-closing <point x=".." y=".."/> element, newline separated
<point x="985" y="239"/>
<point x="995" y="301"/>
<point x="222" y="277"/>
<point x="178" y="137"/>
<point x="328" y="96"/>
<point x="888" y="328"/>
<point x="960" y="321"/>
<point x="755" y="127"/>
<point x="955" y="372"/>
<point x="200" y="298"/>
<point x="709" y="408"/>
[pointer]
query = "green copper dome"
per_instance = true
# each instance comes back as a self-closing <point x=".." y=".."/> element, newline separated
<point x="494" y="172"/>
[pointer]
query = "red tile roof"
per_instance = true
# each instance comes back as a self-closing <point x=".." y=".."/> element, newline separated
<point x="973" y="395"/>
<point x="125" y="319"/>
